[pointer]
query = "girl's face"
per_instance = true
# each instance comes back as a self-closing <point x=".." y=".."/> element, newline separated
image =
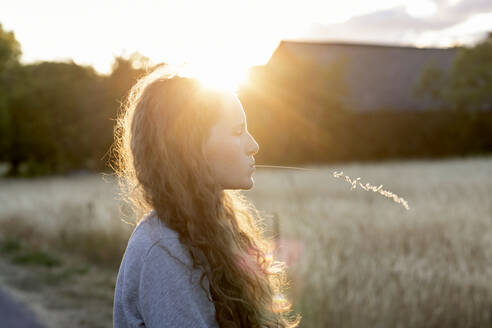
<point x="230" y="148"/>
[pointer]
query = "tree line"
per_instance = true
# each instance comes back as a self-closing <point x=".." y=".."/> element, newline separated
<point x="59" y="117"/>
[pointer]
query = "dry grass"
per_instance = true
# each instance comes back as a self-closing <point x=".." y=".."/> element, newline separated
<point x="368" y="262"/>
<point x="364" y="260"/>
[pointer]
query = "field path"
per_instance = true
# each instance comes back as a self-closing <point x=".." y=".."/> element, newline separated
<point x="20" y="305"/>
<point x="14" y="314"/>
<point x="42" y="298"/>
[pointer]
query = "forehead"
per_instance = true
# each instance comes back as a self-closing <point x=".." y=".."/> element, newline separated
<point x="232" y="110"/>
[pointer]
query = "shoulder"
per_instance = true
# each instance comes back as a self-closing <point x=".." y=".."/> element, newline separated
<point x="156" y="281"/>
<point x="170" y="290"/>
<point x="151" y="238"/>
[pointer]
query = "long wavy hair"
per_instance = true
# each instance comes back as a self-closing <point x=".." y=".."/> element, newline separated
<point x="161" y="166"/>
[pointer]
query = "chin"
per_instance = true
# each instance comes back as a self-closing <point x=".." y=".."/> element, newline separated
<point x="243" y="186"/>
<point x="249" y="185"/>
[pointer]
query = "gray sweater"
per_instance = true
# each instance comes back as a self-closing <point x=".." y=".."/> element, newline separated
<point x="156" y="288"/>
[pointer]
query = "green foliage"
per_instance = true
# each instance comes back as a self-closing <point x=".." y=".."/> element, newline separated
<point x="36" y="258"/>
<point x="10" y="52"/>
<point x="468" y="84"/>
<point x="470" y="81"/>
<point x="25" y="254"/>
<point x="54" y="270"/>
<point x="390" y="134"/>
<point x="9" y="246"/>
<point x="54" y="117"/>
<point x="60" y="117"/>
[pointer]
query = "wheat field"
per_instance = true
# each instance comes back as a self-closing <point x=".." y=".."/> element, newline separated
<point x="356" y="258"/>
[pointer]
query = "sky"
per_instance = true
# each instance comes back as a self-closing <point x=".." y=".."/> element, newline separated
<point x="230" y="34"/>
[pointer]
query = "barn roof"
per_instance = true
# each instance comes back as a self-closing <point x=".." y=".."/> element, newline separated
<point x="377" y="76"/>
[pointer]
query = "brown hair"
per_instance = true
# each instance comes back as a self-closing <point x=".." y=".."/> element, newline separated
<point x="161" y="166"/>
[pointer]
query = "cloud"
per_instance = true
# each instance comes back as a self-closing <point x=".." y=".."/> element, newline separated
<point x="397" y="25"/>
<point x="449" y="15"/>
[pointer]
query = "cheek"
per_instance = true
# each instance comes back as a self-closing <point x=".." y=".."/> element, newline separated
<point x="224" y="154"/>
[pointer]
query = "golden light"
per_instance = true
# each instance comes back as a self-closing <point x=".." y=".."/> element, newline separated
<point x="217" y="75"/>
<point x="244" y="31"/>
<point x="280" y="303"/>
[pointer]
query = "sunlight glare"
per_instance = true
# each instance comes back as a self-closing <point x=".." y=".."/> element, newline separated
<point x="218" y="76"/>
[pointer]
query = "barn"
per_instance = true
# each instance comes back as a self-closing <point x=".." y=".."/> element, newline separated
<point x="376" y="76"/>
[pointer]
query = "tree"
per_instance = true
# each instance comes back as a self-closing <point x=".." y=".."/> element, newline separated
<point x="52" y="117"/>
<point x="468" y="84"/>
<point x="125" y="72"/>
<point x="61" y="115"/>
<point x="10" y="52"/>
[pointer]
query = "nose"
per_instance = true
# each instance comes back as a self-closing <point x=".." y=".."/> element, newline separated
<point x="253" y="146"/>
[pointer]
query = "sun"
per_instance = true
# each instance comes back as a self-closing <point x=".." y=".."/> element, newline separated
<point x="219" y="76"/>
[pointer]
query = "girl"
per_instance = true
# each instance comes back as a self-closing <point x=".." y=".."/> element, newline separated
<point x="197" y="257"/>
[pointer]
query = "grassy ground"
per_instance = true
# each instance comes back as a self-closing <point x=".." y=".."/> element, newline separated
<point x="62" y="290"/>
<point x="357" y="259"/>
